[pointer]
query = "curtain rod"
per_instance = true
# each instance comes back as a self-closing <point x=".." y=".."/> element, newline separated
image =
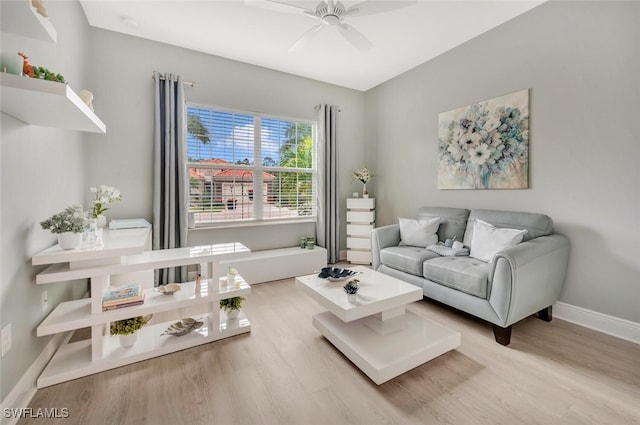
<point x="185" y="82"/>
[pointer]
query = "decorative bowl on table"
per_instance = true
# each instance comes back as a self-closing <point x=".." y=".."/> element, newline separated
<point x="336" y="274"/>
<point x="168" y="289"/>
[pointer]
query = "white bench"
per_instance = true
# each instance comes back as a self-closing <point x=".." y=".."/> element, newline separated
<point x="276" y="264"/>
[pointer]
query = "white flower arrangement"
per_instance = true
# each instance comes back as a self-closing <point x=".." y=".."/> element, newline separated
<point x="72" y="219"/>
<point x="104" y="195"/>
<point x="487" y="141"/>
<point x="362" y="175"/>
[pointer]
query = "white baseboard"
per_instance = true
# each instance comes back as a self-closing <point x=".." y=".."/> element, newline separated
<point x="21" y="395"/>
<point x="610" y="325"/>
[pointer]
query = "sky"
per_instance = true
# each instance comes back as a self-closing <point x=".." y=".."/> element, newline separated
<point x="232" y="134"/>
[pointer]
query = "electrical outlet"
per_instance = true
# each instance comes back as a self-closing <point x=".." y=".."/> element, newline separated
<point x="6" y="339"/>
<point x="45" y="301"/>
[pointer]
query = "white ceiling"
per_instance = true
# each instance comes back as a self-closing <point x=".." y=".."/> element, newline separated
<point x="260" y="33"/>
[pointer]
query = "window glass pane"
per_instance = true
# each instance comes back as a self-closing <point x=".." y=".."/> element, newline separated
<point x="219" y="135"/>
<point x="223" y="176"/>
<point x="289" y="195"/>
<point x="286" y="144"/>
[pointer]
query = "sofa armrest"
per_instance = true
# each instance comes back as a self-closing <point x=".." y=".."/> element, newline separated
<point x="383" y="237"/>
<point x="528" y="277"/>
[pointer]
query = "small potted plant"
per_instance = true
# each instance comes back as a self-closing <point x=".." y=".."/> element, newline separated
<point x="351" y="288"/>
<point x="231" y="306"/>
<point x="128" y="329"/>
<point x="68" y="225"/>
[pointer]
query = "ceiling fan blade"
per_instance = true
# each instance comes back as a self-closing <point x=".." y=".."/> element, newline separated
<point x="354" y="37"/>
<point x="370" y="7"/>
<point x="306" y="5"/>
<point x="306" y="38"/>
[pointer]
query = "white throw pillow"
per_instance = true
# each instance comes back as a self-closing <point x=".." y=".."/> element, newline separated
<point x="419" y="232"/>
<point x="488" y="240"/>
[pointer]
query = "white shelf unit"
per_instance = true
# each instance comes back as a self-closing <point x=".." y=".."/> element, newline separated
<point x="361" y="218"/>
<point x="47" y="103"/>
<point x="102" y="351"/>
<point x="20" y="17"/>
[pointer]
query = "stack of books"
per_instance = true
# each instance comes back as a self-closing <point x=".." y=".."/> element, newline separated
<point x="122" y="296"/>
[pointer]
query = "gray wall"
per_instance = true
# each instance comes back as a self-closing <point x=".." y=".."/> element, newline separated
<point x="124" y="100"/>
<point x="581" y="62"/>
<point x="41" y="173"/>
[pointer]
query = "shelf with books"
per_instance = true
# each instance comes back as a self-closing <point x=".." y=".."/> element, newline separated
<point x="111" y="270"/>
<point x="74" y="360"/>
<point x="72" y="315"/>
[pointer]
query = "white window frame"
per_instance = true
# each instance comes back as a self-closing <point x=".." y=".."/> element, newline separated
<point x="258" y="169"/>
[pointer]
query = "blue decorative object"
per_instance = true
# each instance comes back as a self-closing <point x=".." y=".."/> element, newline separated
<point x="336" y="274"/>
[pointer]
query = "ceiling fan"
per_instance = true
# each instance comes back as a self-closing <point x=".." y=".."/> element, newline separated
<point x="331" y="13"/>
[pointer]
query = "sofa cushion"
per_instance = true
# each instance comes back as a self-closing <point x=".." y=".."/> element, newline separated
<point x="420" y="233"/>
<point x="453" y="221"/>
<point x="465" y="274"/>
<point x="488" y="240"/>
<point x="535" y="224"/>
<point x="408" y="259"/>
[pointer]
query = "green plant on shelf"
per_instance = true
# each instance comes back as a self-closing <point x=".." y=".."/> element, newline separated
<point x="231" y="303"/>
<point x="127" y="326"/>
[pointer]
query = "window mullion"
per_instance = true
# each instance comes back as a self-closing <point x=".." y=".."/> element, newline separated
<point x="258" y="191"/>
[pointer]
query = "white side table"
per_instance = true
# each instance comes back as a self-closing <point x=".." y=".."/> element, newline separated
<point x="361" y="218"/>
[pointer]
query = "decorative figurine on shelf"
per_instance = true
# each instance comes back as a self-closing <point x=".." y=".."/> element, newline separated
<point x="39" y="6"/>
<point x="87" y="98"/>
<point x="198" y="284"/>
<point x="232" y="275"/>
<point x="39" y="72"/>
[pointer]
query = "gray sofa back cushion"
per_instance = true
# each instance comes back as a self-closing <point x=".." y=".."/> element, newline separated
<point x="536" y="224"/>
<point x="453" y="221"/>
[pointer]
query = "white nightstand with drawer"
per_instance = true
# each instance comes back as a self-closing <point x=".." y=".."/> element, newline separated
<point x="361" y="218"/>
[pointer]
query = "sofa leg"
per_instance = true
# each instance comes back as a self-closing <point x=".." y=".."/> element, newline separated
<point x="502" y="335"/>
<point x="545" y="314"/>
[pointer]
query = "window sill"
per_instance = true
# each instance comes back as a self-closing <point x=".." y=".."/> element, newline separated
<point x="262" y="223"/>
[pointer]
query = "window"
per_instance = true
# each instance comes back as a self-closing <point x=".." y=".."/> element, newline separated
<point x="248" y="167"/>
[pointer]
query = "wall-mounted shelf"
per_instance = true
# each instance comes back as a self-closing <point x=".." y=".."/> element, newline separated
<point x="47" y="103"/>
<point x="20" y="17"/>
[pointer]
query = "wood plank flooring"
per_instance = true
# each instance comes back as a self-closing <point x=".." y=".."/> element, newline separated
<point x="285" y="372"/>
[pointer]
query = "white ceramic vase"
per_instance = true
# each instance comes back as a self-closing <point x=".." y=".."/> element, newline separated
<point x="127" y="341"/>
<point x="351" y="298"/>
<point x="232" y="314"/>
<point x="69" y="240"/>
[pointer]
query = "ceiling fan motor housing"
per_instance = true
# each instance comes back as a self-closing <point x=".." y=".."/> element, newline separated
<point x="330" y="14"/>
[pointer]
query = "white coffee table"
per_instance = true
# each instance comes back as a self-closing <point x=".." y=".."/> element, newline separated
<point x="377" y="333"/>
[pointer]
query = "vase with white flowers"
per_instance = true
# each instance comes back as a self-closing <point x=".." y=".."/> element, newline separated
<point x="363" y="176"/>
<point x="104" y="195"/>
<point x="68" y="225"/>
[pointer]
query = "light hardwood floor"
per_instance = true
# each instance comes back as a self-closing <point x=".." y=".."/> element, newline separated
<point x="284" y="372"/>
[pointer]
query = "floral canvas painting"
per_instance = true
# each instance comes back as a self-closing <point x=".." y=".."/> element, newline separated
<point x="486" y="145"/>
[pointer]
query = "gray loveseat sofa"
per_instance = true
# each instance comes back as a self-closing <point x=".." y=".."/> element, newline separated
<point x="519" y="281"/>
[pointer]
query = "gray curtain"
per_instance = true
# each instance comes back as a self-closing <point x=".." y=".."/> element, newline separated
<point x="328" y="224"/>
<point x="170" y="181"/>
